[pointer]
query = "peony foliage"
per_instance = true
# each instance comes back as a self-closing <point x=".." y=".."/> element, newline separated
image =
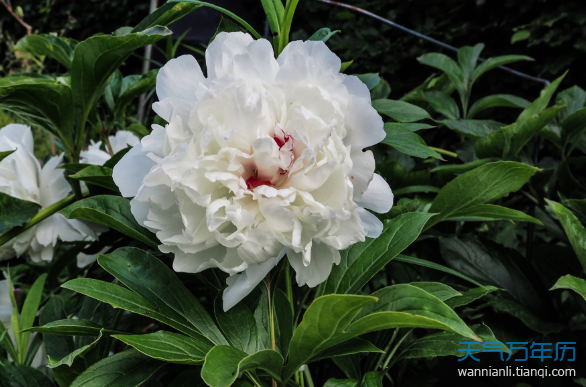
<point x="280" y="222"/>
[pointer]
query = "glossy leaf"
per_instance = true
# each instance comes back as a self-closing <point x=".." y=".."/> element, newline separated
<point x="400" y="111"/>
<point x="408" y="142"/>
<point x="223" y="364"/>
<point x="497" y="100"/>
<point x="372" y="379"/>
<point x="473" y="129"/>
<point x="570" y="282"/>
<point x="469" y="296"/>
<point x="369" y="79"/>
<point x="441" y="291"/>
<point x="491" y="212"/>
<point x="146" y="83"/>
<point x="483" y="184"/>
<point x="78" y="353"/>
<point x="111" y="211"/>
<point x="169" y="347"/>
<point x="573" y="228"/>
<point x="72" y="327"/>
<point x="239" y="326"/>
<point x="125" y="369"/>
<point x="363" y="260"/>
<point x="97" y="175"/>
<point x="15" y="212"/>
<point x="153" y="280"/>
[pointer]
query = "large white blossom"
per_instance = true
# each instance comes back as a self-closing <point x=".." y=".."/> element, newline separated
<point x="263" y="157"/>
<point x="96" y="156"/>
<point x="22" y="177"/>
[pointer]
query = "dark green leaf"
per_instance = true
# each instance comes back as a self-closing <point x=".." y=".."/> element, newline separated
<point x="573" y="228"/>
<point x="370" y="79"/>
<point x="469" y="296"/>
<point x="435" y="266"/>
<point x="415" y="189"/>
<point x="463" y="168"/>
<point x="56" y="346"/>
<point x="144" y="84"/>
<point x="72" y="327"/>
<point x="573" y="126"/>
<point x="29" y="312"/>
<point x="572" y="98"/>
<point x="496" y="61"/>
<point x="570" y="282"/>
<point x="18" y="375"/>
<point x="47" y="45"/>
<point x="97" y="175"/>
<point x="540" y="104"/>
<point x="111" y="211"/>
<point x="3" y="155"/>
<point x="139" y="130"/>
<point x="473" y="129"/>
<point x="117" y="157"/>
<point x="408" y="142"/>
<point x="347" y="348"/>
<point x="226" y="25"/>
<point x="411" y="126"/>
<point x="323" y="34"/>
<point x="497" y="100"/>
<point x="78" y="353"/>
<point x="412" y="206"/>
<point x="441" y="291"/>
<point x="372" y="379"/>
<point x="341" y="383"/>
<point x="443" y="104"/>
<point x="363" y="260"/>
<point x="166" y="15"/>
<point x="239" y="326"/>
<point x="283" y="321"/>
<point x="223" y="364"/>
<point x="525" y="315"/>
<point x="169" y="347"/>
<point x="153" y="280"/>
<point x="445" y="64"/>
<point x="491" y="212"/>
<point x="15" y="212"/>
<point x="125" y="369"/>
<point x="400" y="111"/>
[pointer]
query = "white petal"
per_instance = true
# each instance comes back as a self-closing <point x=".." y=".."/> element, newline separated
<point x="362" y="172"/>
<point x="365" y="126"/>
<point x="320" y="266"/>
<point x="179" y="78"/>
<point x="122" y="140"/>
<point x="53" y="186"/>
<point x="373" y="227"/>
<point x="356" y="87"/>
<point x="240" y="285"/>
<point x="130" y="171"/>
<point x="378" y="197"/>
<point x="20" y="134"/>
<point x="221" y="52"/>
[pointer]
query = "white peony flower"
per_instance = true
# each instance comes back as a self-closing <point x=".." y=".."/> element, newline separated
<point x="21" y="176"/>
<point x="261" y="158"/>
<point x="5" y="319"/>
<point x="96" y="156"/>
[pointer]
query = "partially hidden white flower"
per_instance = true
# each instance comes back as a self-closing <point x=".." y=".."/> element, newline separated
<point x="22" y="177"/>
<point x="263" y="157"/>
<point x="5" y="319"/>
<point x="96" y="156"/>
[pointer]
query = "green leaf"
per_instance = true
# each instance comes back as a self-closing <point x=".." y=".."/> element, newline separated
<point x="467" y="59"/>
<point x="43" y="103"/>
<point x="570" y="282"/>
<point x="3" y="155"/>
<point x="577" y="205"/>
<point x="74" y="167"/>
<point x="47" y="45"/>
<point x="223" y="364"/>
<point x="447" y="344"/>
<point x="573" y="228"/>
<point x="573" y="126"/>
<point x="97" y="175"/>
<point x="497" y="100"/>
<point x="138" y="130"/>
<point x="146" y="83"/>
<point x="463" y="168"/>
<point x="541" y="102"/>
<point x="408" y="142"/>
<point x="349" y="347"/>
<point x="470" y="296"/>
<point x="369" y="79"/>
<point x="169" y="347"/>
<point x="400" y="111"/>
<point x="125" y="369"/>
<point x="323" y="326"/>
<point x="525" y="315"/>
<point x="15" y="212"/>
<point x="166" y="15"/>
<point x="363" y="260"/>
<point x="445" y="64"/>
<point x="226" y="25"/>
<point x="441" y="291"/>
<point x="520" y="35"/>
<point x="530" y="128"/>
<point x="78" y="353"/>
<point x="497" y="61"/>
<point x="225" y="12"/>
<point x="29" y="312"/>
<point x="72" y="327"/>
<point x="287" y="20"/>
<point x="572" y="98"/>
<point x="415" y="189"/>
<point x="153" y="280"/>
<point x="443" y="104"/>
<point x="122" y="298"/>
<point x="18" y="375"/>
<point x="95" y="60"/>
<point x="56" y="345"/>
<point x="435" y="266"/>
<point x="473" y="129"/>
<point x="490" y="212"/>
<point x="407" y="306"/>
<point x="112" y="211"/>
<point x="411" y="126"/>
<point x="483" y="184"/>
<point x="283" y="315"/>
<point x="412" y="206"/>
<point x="323" y="34"/>
<point x="239" y="326"/>
<point x="372" y="379"/>
<point x="273" y="17"/>
<point x="341" y="383"/>
<point x="381" y="91"/>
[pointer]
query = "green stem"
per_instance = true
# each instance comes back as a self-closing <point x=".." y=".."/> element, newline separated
<point x="109" y="339"/>
<point x="387" y="348"/>
<point x="308" y="377"/>
<point x="39" y="217"/>
<point x="443" y="151"/>
<point x="272" y="320"/>
<point x="395" y="350"/>
<point x="289" y="286"/>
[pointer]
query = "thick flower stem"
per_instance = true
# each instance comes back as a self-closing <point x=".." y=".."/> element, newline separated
<point x="39" y="217"/>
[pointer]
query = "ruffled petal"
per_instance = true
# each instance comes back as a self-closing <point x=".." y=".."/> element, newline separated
<point x="319" y="267"/>
<point x="179" y="78"/>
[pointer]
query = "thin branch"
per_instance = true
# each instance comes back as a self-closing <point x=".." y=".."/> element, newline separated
<point x="6" y="3"/>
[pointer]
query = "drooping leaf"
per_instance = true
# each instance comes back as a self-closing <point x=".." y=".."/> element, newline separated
<point x="463" y="168"/>
<point x="125" y="369"/>
<point x="491" y="212"/>
<point x="68" y="360"/>
<point x="573" y="228"/>
<point x="441" y="291"/>
<point x="400" y="111"/>
<point x="443" y="104"/>
<point x="72" y="327"/>
<point x="52" y="46"/>
<point x="469" y="296"/>
<point x="497" y="100"/>
<point x="111" y="211"/>
<point x="15" y="212"/>
<point x="570" y="282"/>
<point x="323" y="34"/>
<point x="168" y="347"/>
<point x="483" y="184"/>
<point x="166" y="15"/>
<point x="363" y="260"/>
<point x="497" y="61"/>
<point x="408" y="142"/>
<point x="349" y="347"/>
<point x="223" y="364"/>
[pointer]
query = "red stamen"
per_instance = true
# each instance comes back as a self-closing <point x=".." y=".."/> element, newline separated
<point x="279" y="142"/>
<point x="253" y="182"/>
